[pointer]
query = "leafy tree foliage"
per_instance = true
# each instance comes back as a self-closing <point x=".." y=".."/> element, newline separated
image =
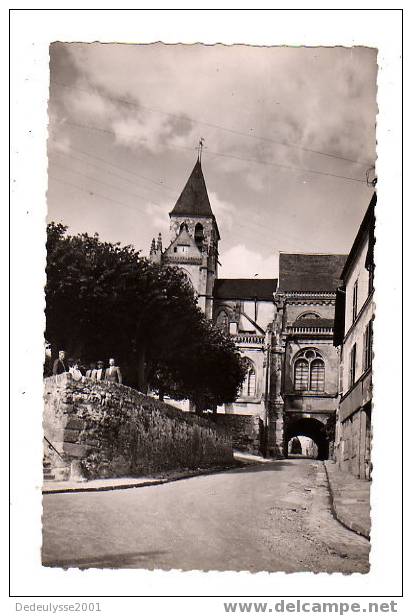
<point x="104" y="300"/>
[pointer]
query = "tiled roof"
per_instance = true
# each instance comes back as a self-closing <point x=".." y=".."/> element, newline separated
<point x="245" y="288"/>
<point x="194" y="200"/>
<point x="183" y="239"/>
<point x="313" y="323"/>
<point x="310" y="273"/>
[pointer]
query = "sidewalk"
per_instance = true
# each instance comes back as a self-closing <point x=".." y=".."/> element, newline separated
<point x="350" y="499"/>
<point x="122" y="483"/>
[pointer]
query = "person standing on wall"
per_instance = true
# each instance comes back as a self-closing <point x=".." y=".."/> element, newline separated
<point x="59" y="365"/>
<point x="48" y="362"/>
<point x="113" y="373"/>
<point x="100" y="372"/>
<point x="91" y="372"/>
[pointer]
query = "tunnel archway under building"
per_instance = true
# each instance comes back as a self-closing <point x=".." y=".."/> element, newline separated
<point x="312" y="428"/>
<point x="302" y="447"/>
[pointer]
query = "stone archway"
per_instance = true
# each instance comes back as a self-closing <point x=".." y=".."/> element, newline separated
<point x="312" y="428"/>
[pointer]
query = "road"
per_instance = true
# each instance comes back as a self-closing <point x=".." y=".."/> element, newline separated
<point x="271" y="517"/>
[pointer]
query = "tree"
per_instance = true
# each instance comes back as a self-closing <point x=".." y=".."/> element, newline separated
<point x="103" y="300"/>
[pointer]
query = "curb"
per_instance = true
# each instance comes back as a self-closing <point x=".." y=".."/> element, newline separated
<point x="144" y="484"/>
<point x="337" y="513"/>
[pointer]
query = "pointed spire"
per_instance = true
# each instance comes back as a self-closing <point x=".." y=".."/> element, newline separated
<point x="153" y="247"/>
<point x="194" y="200"/>
<point x="159" y="242"/>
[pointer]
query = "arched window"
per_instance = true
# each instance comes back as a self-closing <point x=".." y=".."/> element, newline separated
<point x="183" y="226"/>
<point x="309" y="371"/>
<point x="317" y="375"/>
<point x="301" y="374"/>
<point x="199" y="236"/>
<point x="249" y="383"/>
<point x="222" y="321"/>
<point x="307" y="315"/>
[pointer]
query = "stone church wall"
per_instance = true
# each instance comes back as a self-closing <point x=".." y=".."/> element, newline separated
<point x="109" y="430"/>
<point x="245" y="431"/>
<point x="329" y="355"/>
<point x="324" y="311"/>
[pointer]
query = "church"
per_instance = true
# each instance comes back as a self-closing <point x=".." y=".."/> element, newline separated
<point x="282" y="327"/>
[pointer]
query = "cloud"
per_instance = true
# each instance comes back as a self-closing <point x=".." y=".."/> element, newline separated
<point x="58" y="140"/>
<point x="240" y="262"/>
<point x="134" y="131"/>
<point x="90" y="105"/>
<point x="152" y="103"/>
<point x="223" y="210"/>
<point x="158" y="215"/>
<point x="298" y="92"/>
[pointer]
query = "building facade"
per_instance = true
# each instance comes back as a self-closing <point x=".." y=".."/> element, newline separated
<point x="355" y="311"/>
<point x="304" y="379"/>
<point x="283" y="330"/>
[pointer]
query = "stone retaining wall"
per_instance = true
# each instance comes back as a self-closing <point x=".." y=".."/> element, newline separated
<point x="245" y="431"/>
<point x="103" y="429"/>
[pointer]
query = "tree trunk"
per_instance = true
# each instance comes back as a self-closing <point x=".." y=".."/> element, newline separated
<point x="199" y="404"/>
<point x="141" y="370"/>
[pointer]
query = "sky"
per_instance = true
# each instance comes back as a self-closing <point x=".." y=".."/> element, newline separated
<point x="289" y="137"/>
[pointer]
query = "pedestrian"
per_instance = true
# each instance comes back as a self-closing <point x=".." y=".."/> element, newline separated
<point x="100" y="372"/>
<point x="91" y="372"/>
<point x="113" y="373"/>
<point x="60" y="365"/>
<point x="81" y="367"/>
<point x="75" y="370"/>
<point x="48" y="363"/>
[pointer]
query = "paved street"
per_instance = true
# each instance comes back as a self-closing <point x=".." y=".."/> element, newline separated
<point x="271" y="517"/>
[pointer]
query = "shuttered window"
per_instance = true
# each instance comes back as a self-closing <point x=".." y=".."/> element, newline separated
<point x="367" y="347"/>
<point x="352" y="366"/>
<point x="355" y="302"/>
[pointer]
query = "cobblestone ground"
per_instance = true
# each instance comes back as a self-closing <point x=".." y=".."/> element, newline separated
<point x="270" y="517"/>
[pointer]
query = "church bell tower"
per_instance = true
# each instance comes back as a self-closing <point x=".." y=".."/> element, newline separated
<point x="194" y="236"/>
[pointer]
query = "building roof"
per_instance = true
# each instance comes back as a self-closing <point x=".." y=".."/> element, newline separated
<point x="320" y="322"/>
<point x="339" y="321"/>
<point x="367" y="228"/>
<point x="365" y="231"/>
<point x="245" y="288"/>
<point x="183" y="239"/>
<point x="310" y="273"/>
<point x="194" y="200"/>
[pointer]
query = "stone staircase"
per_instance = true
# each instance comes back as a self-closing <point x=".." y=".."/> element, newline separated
<point x="48" y="474"/>
<point x="55" y="468"/>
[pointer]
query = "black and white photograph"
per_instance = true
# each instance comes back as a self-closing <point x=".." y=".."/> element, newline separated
<point x="206" y="329"/>
<point x="209" y="307"/>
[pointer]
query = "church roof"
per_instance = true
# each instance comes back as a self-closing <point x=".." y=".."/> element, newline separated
<point x="245" y="288"/>
<point x="319" y="322"/>
<point x="194" y="200"/>
<point x="183" y="239"/>
<point x="310" y="273"/>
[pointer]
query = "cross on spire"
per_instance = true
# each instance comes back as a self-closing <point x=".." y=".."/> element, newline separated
<point x="199" y="149"/>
